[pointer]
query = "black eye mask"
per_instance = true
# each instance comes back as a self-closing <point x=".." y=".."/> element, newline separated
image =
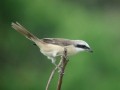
<point x="82" y="46"/>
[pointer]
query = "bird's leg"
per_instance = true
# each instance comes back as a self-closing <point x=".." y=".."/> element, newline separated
<point x="53" y="61"/>
<point x="58" y="66"/>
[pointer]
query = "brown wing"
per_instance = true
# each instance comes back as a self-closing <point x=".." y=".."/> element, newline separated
<point x="57" y="41"/>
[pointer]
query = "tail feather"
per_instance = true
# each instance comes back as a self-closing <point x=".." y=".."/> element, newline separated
<point x="24" y="31"/>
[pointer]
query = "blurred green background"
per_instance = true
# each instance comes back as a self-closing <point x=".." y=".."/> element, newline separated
<point x="23" y="67"/>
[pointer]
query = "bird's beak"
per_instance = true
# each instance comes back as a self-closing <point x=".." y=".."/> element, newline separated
<point x="90" y="50"/>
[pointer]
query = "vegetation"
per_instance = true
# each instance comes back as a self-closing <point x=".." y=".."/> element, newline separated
<point x="23" y="67"/>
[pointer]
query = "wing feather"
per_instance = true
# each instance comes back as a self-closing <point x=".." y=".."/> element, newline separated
<point x="58" y="41"/>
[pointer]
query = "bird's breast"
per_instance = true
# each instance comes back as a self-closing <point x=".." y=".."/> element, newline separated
<point x="55" y="50"/>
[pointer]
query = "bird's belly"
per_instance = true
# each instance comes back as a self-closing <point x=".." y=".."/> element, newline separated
<point x="55" y="50"/>
<point x="52" y="50"/>
<point x="49" y="54"/>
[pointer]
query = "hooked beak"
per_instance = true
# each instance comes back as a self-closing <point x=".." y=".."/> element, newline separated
<point x="90" y="50"/>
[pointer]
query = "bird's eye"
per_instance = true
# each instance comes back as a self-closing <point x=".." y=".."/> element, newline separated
<point x="82" y="46"/>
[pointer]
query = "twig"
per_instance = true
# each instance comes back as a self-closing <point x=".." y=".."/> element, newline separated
<point x="51" y="75"/>
<point x="50" y="78"/>
<point x="63" y="65"/>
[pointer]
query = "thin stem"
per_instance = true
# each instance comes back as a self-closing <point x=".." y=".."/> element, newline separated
<point x="51" y="76"/>
<point x="63" y="65"/>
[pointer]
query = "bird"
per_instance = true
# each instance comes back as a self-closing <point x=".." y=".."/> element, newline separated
<point x="53" y="47"/>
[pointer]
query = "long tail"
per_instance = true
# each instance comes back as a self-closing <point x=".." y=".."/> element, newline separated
<point x="25" y="32"/>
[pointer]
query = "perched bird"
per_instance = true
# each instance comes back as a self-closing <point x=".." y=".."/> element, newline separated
<point x="53" y="47"/>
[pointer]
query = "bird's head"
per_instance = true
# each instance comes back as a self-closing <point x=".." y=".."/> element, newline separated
<point x="81" y="45"/>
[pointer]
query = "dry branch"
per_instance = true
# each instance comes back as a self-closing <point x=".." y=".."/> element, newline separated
<point x="63" y="65"/>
